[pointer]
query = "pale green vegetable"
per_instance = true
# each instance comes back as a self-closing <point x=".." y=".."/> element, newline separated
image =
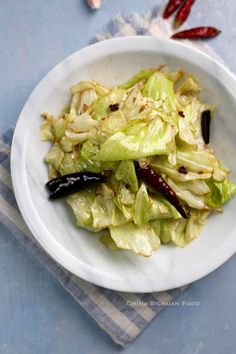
<point x="172" y="212"/>
<point x="105" y="213"/>
<point x="191" y="199"/>
<point x="86" y="100"/>
<point x="148" y="208"/>
<point x="161" y="164"/>
<point x="194" y="224"/>
<point x="84" y="165"/>
<point x="68" y="164"/>
<point x="156" y="226"/>
<point x="100" y="108"/>
<point x="141" y="239"/>
<point x="201" y="162"/>
<point x="48" y="117"/>
<point x="158" y="87"/>
<point x="52" y="172"/>
<point x="198" y="187"/>
<point x="174" y="76"/>
<point x="126" y="173"/>
<point x="219" y="174"/>
<point x="185" y="132"/>
<point x="78" y="138"/>
<point x="180" y="231"/>
<point x="220" y="193"/>
<point x="83" y="123"/>
<point x="55" y="156"/>
<point x="125" y="196"/>
<point x="177" y="229"/>
<point x="58" y="128"/>
<point x="89" y="150"/>
<point x="46" y="132"/>
<point x="82" y="86"/>
<point x="189" y="86"/>
<point x="139" y="140"/>
<point x="66" y="144"/>
<point x="74" y="104"/>
<point x="142" y="75"/>
<point x="114" y="122"/>
<point x="173" y="230"/>
<point x="109" y="242"/>
<point x="134" y="107"/>
<point x="197" y="161"/>
<point x="154" y="120"/>
<point x="125" y="201"/>
<point x="86" y="161"/>
<point x="100" y="89"/>
<point x="81" y="203"/>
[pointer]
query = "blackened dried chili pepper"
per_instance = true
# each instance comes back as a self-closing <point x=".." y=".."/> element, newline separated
<point x="154" y="179"/>
<point x="171" y="7"/>
<point x="197" y="33"/>
<point x="205" y="123"/>
<point x="71" y="183"/>
<point x="183" y="12"/>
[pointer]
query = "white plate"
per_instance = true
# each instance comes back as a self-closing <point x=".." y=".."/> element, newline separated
<point x="112" y="62"/>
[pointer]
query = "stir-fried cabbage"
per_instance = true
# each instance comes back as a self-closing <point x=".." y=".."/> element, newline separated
<point x="153" y="119"/>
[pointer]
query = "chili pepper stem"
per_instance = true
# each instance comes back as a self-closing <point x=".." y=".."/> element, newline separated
<point x="177" y="23"/>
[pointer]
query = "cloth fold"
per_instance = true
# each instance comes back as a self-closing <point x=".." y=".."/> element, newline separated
<point x="122" y="315"/>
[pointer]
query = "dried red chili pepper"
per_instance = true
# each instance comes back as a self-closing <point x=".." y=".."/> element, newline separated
<point x="183" y="12"/>
<point x="197" y="33"/>
<point x="154" y="179"/>
<point x="171" y="7"/>
<point x="205" y="123"/>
